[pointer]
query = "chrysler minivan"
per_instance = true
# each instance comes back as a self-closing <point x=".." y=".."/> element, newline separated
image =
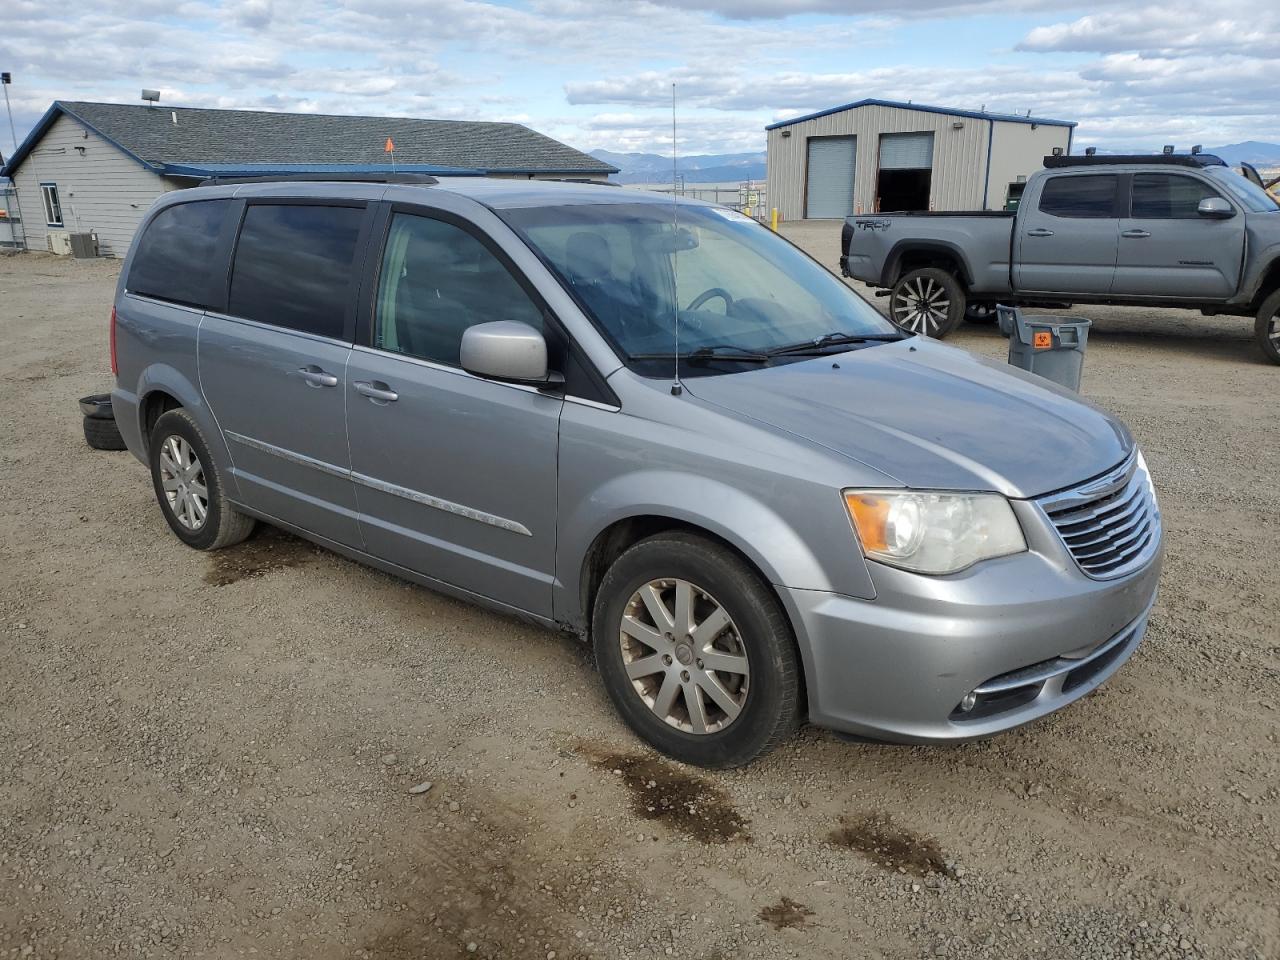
<point x="646" y="420"/>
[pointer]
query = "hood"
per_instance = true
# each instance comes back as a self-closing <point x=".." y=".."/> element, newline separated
<point x="931" y="417"/>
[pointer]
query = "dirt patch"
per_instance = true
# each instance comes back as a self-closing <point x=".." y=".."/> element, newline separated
<point x="685" y="802"/>
<point x="883" y="842"/>
<point x="786" y="913"/>
<point x="270" y="549"/>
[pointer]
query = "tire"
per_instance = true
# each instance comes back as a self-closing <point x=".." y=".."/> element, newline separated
<point x="917" y="289"/>
<point x="982" y="312"/>
<point x="767" y="695"/>
<point x="102" y="434"/>
<point x="1266" y="331"/>
<point x="176" y="443"/>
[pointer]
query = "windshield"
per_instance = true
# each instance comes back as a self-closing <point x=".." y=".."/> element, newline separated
<point x="1254" y="198"/>
<point x="740" y="288"/>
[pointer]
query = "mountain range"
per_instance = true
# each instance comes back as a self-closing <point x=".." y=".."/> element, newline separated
<point x="707" y="168"/>
<point x="732" y="167"/>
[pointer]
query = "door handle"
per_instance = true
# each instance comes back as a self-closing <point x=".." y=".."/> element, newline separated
<point x="1135" y="234"/>
<point x="376" y="390"/>
<point x="1039" y="232"/>
<point x="316" y="377"/>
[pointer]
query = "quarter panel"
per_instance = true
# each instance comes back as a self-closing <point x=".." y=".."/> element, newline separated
<point x="156" y="351"/>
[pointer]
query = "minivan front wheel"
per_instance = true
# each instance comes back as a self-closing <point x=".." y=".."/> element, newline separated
<point x="695" y="652"/>
<point x="188" y="486"/>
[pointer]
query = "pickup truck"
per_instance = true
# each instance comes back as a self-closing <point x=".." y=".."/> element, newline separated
<point x="1169" y="230"/>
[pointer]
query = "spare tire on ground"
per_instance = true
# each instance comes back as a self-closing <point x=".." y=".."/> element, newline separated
<point x="100" y="430"/>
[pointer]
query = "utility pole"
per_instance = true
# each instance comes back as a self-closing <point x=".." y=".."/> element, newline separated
<point x="6" y="78"/>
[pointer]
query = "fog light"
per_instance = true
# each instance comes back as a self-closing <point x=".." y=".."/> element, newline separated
<point x="969" y="702"/>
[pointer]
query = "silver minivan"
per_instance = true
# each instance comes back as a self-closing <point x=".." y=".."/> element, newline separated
<point x="651" y="422"/>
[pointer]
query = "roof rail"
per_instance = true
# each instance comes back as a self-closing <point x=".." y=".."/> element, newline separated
<point x="1168" y="159"/>
<point x="420" y="179"/>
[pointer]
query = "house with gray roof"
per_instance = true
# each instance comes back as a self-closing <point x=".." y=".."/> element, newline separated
<point x="97" y="167"/>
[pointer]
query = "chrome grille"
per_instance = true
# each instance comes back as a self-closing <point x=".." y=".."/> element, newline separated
<point x="1111" y="525"/>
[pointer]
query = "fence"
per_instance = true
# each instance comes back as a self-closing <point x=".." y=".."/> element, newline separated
<point x="748" y="197"/>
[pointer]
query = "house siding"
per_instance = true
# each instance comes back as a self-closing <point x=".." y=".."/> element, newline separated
<point x="960" y="174"/>
<point x="103" y="191"/>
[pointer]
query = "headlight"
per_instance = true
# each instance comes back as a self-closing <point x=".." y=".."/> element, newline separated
<point x="933" y="532"/>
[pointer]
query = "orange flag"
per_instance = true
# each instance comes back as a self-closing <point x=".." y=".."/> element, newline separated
<point x="390" y="147"/>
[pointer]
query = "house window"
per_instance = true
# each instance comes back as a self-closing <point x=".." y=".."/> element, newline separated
<point x="52" y="206"/>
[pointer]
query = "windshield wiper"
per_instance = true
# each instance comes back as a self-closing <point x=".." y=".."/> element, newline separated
<point x="716" y="352"/>
<point x="834" y="339"/>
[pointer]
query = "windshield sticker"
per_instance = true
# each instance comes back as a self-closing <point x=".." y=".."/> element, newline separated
<point x="733" y="215"/>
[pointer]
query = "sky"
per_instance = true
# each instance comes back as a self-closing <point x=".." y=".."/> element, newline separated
<point x="598" y="73"/>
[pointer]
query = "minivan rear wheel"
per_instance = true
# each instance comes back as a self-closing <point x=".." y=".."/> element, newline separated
<point x="696" y="652"/>
<point x="189" y="488"/>
<point x="928" y="302"/>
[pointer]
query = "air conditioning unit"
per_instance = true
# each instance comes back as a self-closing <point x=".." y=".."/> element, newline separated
<point x="59" y="243"/>
<point x="84" y="246"/>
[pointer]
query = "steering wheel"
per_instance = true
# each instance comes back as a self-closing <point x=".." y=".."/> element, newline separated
<point x="711" y="294"/>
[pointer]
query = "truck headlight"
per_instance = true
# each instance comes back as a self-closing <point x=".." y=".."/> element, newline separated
<point x="934" y="533"/>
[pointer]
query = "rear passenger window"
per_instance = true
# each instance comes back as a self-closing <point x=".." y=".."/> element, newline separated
<point x="437" y="280"/>
<point x="295" y="266"/>
<point x="1163" y="196"/>
<point x="175" y="256"/>
<point x="1085" y="197"/>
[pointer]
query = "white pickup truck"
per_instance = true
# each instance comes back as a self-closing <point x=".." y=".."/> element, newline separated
<point x="1165" y="230"/>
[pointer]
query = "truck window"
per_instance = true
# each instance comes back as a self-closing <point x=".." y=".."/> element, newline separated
<point x="1166" y="196"/>
<point x="1089" y="197"/>
<point x="175" y="253"/>
<point x="294" y="266"/>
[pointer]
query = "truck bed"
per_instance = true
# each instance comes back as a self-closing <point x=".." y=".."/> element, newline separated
<point x="872" y="244"/>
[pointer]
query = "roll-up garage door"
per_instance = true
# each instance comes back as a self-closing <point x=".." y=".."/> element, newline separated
<point x="829" y="177"/>
<point x="906" y="151"/>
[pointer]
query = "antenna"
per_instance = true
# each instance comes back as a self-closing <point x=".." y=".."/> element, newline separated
<point x="676" y="387"/>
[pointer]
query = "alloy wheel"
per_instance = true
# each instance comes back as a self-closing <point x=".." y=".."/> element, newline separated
<point x="684" y="656"/>
<point x="183" y="481"/>
<point x="921" y="306"/>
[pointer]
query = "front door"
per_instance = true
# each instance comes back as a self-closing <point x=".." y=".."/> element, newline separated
<point x="273" y="369"/>
<point x="1167" y="249"/>
<point x="455" y="475"/>
<point x="1066" y="241"/>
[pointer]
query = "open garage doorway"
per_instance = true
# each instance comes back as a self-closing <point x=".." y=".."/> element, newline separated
<point x="905" y="177"/>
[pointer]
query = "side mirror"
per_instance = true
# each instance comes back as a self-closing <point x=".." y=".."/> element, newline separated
<point x="507" y="350"/>
<point x="1215" y="208"/>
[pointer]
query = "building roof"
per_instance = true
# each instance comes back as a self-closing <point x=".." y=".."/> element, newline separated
<point x="204" y="142"/>
<point x="924" y="108"/>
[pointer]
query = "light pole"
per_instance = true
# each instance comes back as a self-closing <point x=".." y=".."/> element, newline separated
<point x="6" y="78"/>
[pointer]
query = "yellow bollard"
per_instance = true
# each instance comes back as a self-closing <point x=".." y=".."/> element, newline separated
<point x="773" y="220"/>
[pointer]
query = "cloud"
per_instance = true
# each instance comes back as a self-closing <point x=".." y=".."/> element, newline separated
<point x="599" y="72"/>
<point x="1167" y="31"/>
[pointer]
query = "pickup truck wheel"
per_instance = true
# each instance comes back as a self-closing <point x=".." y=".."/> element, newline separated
<point x="927" y="302"/>
<point x="982" y="311"/>
<point x="1267" y="330"/>
<point x="696" y="652"/>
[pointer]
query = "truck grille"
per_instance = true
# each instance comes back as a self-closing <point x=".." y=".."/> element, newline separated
<point x="1111" y="525"/>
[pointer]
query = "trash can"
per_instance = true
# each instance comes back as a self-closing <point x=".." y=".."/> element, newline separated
<point x="1051" y="347"/>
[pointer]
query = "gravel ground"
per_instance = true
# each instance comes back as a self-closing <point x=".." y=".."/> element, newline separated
<point x="216" y="755"/>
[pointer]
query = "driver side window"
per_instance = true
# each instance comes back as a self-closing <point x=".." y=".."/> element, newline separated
<point x="436" y="281"/>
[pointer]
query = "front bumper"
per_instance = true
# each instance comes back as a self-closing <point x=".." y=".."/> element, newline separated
<point x="1030" y="633"/>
